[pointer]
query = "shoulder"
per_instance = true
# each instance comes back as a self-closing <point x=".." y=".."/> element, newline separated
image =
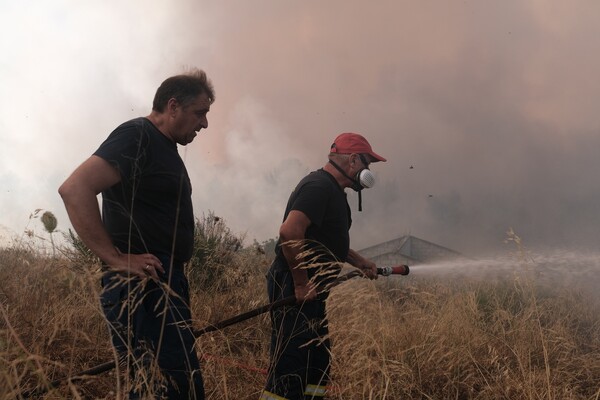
<point x="137" y="125"/>
<point x="318" y="180"/>
<point x="315" y="188"/>
<point x="124" y="141"/>
<point x="138" y="131"/>
<point x="315" y="195"/>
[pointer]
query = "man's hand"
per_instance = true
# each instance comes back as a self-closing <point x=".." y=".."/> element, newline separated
<point x="369" y="268"/>
<point x="140" y="265"/>
<point x="306" y="292"/>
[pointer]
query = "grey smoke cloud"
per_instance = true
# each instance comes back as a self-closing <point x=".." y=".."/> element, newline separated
<point x="492" y="103"/>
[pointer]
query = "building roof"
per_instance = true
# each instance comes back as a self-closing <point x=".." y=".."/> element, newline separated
<point x="409" y="250"/>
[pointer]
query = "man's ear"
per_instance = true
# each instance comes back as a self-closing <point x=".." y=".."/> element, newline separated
<point x="172" y="105"/>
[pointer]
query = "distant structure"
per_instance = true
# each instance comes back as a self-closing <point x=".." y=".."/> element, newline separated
<point x="408" y="250"/>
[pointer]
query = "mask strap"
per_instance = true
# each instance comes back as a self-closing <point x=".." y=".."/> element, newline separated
<point x="360" y="200"/>
<point x="353" y="180"/>
<point x="341" y="170"/>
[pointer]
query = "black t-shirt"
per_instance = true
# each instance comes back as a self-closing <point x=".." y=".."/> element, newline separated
<point x="150" y="210"/>
<point x="324" y="202"/>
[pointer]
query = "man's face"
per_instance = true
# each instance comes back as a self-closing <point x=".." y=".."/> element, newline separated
<point x="188" y="120"/>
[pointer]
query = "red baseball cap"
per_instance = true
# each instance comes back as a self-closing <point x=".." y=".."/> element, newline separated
<point x="349" y="143"/>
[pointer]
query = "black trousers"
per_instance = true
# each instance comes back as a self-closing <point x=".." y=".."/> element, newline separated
<point x="151" y="326"/>
<point x="300" y="359"/>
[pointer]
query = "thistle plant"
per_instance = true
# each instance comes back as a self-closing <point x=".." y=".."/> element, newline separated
<point x="49" y="221"/>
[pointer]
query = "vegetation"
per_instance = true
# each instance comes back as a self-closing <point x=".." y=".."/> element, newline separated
<point x="418" y="337"/>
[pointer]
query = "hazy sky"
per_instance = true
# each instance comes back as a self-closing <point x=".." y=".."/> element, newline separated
<point x="494" y="104"/>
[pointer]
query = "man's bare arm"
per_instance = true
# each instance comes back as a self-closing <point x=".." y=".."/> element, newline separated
<point x="291" y="231"/>
<point x="79" y="193"/>
<point x="367" y="266"/>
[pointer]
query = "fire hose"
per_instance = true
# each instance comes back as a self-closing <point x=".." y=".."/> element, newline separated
<point x="287" y="301"/>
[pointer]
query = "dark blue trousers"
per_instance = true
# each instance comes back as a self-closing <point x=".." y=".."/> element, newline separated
<point x="300" y="346"/>
<point x="151" y="326"/>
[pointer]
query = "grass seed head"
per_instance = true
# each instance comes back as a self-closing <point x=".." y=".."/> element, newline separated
<point x="49" y="221"/>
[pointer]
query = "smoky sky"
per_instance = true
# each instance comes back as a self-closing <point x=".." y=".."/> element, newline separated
<point x="492" y="104"/>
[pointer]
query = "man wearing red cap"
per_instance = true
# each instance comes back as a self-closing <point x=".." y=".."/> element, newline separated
<point x="314" y="242"/>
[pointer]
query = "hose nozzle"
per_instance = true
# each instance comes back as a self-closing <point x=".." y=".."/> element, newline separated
<point x="396" y="270"/>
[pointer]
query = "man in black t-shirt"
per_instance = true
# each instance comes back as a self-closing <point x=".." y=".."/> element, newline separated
<point x="145" y="235"/>
<point x="313" y="244"/>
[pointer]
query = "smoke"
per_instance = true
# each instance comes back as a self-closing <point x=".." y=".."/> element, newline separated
<point x="491" y="103"/>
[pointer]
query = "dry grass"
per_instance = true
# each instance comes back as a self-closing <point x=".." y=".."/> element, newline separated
<point x="397" y="338"/>
<point x="463" y="341"/>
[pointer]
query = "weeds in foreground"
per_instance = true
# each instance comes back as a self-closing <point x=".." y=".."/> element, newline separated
<point x="417" y="337"/>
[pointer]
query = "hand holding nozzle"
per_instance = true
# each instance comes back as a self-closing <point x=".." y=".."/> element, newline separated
<point x="396" y="270"/>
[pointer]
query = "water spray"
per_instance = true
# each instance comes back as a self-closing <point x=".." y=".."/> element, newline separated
<point x="287" y="301"/>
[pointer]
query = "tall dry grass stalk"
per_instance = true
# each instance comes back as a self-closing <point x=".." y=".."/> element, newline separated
<point x="415" y="337"/>
<point x="463" y="341"/>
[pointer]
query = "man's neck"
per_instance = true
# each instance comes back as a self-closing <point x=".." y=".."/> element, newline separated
<point x="159" y="120"/>
<point x="341" y="179"/>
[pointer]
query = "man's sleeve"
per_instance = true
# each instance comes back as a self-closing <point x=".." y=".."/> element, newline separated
<point x="125" y="150"/>
<point x="312" y="200"/>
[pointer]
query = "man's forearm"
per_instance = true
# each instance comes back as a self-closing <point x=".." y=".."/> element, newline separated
<point x="290" y="252"/>
<point x="291" y="236"/>
<point x="84" y="213"/>
<point x="368" y="267"/>
<point x="355" y="259"/>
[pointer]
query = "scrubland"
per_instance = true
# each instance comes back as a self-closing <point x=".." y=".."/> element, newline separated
<point x="437" y="335"/>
